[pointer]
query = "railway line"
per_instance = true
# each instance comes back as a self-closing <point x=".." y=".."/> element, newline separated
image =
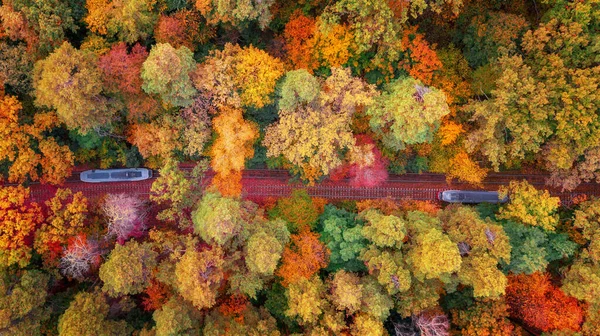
<point x="259" y="184"/>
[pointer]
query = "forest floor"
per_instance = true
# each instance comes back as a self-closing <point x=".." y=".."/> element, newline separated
<point x="260" y="184"/>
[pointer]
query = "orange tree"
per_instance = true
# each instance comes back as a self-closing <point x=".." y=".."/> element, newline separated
<point x="541" y="305"/>
<point x="303" y="257"/>
<point x="19" y="140"/>
<point x="19" y="217"/>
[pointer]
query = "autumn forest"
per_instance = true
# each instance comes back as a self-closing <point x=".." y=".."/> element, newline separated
<point x="326" y="91"/>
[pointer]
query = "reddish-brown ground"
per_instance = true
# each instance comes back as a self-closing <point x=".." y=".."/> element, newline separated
<point x="260" y="184"/>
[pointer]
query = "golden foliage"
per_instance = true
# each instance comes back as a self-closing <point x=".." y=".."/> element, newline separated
<point x="256" y="74"/>
<point x="449" y="132"/>
<point x="464" y="169"/>
<point x="234" y="144"/>
<point x="530" y="206"/>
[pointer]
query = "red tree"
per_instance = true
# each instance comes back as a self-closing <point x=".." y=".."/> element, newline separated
<point x="540" y="305"/>
<point x="157" y="294"/>
<point x="183" y="28"/>
<point x="366" y="166"/>
<point x="121" y="71"/>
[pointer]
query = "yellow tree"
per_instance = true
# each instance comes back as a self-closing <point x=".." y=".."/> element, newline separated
<point x="238" y="76"/>
<point x="462" y="167"/>
<point x="70" y="81"/>
<point x="530" y="206"/>
<point x="256" y="74"/>
<point x="545" y="100"/>
<point x="482" y="245"/>
<point x="314" y="124"/>
<point x="198" y="276"/>
<point x="407" y="113"/>
<point x="235" y="137"/>
<point x="306" y="300"/>
<point x="129" y="20"/>
<point x="158" y="138"/>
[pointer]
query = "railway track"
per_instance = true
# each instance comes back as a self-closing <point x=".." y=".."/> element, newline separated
<point x="262" y="183"/>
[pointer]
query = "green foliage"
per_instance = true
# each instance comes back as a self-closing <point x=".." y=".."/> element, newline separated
<point x="166" y="72"/>
<point x="177" y="317"/>
<point x="128" y="269"/>
<point x="341" y="232"/>
<point x="51" y="20"/>
<point x="533" y="248"/>
<point x="88" y="315"/>
<point x="407" y="113"/>
<point x="277" y="304"/>
<point x="217" y="219"/>
<point x="298" y="211"/>
<point x="22" y="298"/>
<point x="491" y="35"/>
<point x="297" y="87"/>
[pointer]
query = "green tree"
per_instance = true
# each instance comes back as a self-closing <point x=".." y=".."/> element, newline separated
<point x="166" y="72"/>
<point x="491" y="35"/>
<point x="533" y="248"/>
<point x="23" y="295"/>
<point x="218" y="219"/>
<point x="69" y="81"/>
<point x="128" y="269"/>
<point x="88" y="315"/>
<point x="341" y="232"/>
<point x="298" y="210"/>
<point x="50" y="20"/>
<point x="407" y="113"/>
<point x="177" y="317"/>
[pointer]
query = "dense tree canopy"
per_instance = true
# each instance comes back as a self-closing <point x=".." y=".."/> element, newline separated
<point x="240" y="108"/>
<point x="69" y="81"/>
